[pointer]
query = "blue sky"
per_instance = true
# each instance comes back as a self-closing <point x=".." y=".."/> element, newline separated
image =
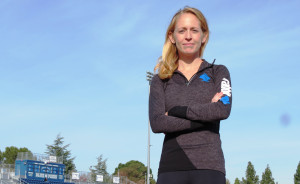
<point x="79" y="68"/>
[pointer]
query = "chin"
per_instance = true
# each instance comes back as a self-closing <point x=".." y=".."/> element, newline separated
<point x="190" y="53"/>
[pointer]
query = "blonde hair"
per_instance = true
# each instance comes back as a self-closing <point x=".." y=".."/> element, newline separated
<point x="168" y="62"/>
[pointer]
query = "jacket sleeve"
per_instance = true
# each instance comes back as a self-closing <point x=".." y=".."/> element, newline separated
<point x="210" y="111"/>
<point x="219" y="110"/>
<point x="161" y="123"/>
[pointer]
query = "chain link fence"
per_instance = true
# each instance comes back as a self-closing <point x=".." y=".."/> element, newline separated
<point x="124" y="180"/>
<point x="39" y="157"/>
<point x="82" y="177"/>
<point x="7" y="173"/>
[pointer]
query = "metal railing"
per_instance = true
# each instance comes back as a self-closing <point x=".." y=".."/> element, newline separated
<point x="39" y="157"/>
<point x="7" y="173"/>
<point x="87" y="178"/>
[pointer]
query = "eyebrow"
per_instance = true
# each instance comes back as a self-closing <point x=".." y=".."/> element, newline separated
<point x="186" y="28"/>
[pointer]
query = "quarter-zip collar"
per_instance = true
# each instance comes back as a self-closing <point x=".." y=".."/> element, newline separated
<point x="204" y="65"/>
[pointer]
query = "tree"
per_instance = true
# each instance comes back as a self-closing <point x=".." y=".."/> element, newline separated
<point x="58" y="149"/>
<point x="297" y="175"/>
<point x="10" y="154"/>
<point x="251" y="177"/>
<point x="227" y="181"/>
<point x="267" y="176"/>
<point x="237" y="181"/>
<point x="100" y="169"/>
<point x="1" y="157"/>
<point x="134" y="170"/>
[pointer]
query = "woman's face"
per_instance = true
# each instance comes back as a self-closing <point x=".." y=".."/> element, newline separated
<point x="188" y="35"/>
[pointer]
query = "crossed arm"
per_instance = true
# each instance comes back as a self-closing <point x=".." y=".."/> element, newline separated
<point x="181" y="118"/>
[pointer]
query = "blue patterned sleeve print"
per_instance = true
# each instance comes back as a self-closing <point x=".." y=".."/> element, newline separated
<point x="226" y="89"/>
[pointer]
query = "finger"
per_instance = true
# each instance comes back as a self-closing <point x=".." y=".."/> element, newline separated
<point x="220" y="94"/>
<point x="217" y="97"/>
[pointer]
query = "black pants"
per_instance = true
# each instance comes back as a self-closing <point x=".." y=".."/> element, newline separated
<point x="192" y="177"/>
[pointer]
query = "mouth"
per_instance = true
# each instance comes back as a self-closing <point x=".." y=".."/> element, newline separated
<point x="188" y="44"/>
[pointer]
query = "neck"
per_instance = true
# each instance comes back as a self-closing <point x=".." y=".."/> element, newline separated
<point x="188" y="58"/>
<point x="189" y="63"/>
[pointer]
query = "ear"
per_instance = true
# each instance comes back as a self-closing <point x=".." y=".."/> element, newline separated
<point x="204" y="38"/>
<point x="171" y="38"/>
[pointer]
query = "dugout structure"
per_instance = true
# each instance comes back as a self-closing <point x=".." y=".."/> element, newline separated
<point x="39" y="167"/>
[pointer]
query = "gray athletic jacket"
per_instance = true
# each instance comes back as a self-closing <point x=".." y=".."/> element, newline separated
<point x="192" y="139"/>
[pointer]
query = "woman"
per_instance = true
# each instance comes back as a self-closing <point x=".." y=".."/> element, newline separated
<point x="188" y="98"/>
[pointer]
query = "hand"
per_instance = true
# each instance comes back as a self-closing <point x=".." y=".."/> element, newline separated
<point x="166" y="113"/>
<point x="217" y="97"/>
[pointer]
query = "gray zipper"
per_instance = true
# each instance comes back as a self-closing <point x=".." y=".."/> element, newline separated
<point x="188" y="82"/>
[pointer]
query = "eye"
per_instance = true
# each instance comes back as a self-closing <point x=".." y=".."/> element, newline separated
<point x="195" y="30"/>
<point x="181" y="31"/>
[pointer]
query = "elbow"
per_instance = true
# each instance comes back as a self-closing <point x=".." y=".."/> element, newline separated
<point x="155" y="125"/>
<point x="155" y="130"/>
<point x="224" y="114"/>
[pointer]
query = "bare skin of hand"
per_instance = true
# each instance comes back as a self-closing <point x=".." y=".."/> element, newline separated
<point x="217" y="97"/>
<point x="166" y="113"/>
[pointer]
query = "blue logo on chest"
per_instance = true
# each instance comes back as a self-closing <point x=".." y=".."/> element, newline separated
<point x="204" y="77"/>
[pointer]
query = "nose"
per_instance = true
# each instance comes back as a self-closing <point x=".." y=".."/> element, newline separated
<point x="188" y="36"/>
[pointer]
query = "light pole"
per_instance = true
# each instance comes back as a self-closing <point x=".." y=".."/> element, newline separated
<point x="149" y="78"/>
